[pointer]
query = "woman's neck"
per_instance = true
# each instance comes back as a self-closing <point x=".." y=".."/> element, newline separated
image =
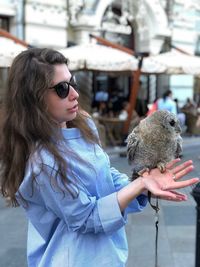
<point x="63" y="125"/>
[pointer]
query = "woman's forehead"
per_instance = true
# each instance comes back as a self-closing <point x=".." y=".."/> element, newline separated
<point x="61" y="72"/>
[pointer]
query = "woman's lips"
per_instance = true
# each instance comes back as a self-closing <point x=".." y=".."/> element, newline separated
<point x="74" y="109"/>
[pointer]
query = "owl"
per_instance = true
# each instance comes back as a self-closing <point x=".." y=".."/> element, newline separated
<point x="154" y="142"/>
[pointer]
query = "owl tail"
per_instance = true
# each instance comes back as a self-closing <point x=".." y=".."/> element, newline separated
<point x="134" y="176"/>
<point x="138" y="171"/>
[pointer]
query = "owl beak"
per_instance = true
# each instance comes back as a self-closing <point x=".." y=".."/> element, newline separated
<point x="178" y="129"/>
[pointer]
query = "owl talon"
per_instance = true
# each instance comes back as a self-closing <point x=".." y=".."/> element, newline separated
<point x="161" y="167"/>
<point x="140" y="173"/>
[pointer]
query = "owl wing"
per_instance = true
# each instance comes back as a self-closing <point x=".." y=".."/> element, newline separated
<point x="132" y="143"/>
<point x="179" y="148"/>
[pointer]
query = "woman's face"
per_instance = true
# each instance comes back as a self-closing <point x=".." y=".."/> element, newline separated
<point x="65" y="109"/>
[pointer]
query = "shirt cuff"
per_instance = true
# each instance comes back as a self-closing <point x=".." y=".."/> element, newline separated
<point x="142" y="200"/>
<point x="109" y="213"/>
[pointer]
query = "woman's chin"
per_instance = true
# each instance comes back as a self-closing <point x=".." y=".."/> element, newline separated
<point x="71" y="116"/>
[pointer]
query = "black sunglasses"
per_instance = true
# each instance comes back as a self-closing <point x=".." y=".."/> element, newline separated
<point x="62" y="88"/>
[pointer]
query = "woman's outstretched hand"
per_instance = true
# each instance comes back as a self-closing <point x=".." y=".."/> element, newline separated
<point x="162" y="185"/>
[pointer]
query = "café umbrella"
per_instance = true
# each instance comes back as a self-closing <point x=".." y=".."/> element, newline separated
<point x="172" y="62"/>
<point x="95" y="57"/>
<point x="8" y="51"/>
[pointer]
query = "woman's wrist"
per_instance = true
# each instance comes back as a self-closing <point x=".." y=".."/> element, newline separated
<point x="130" y="192"/>
<point x="140" y="184"/>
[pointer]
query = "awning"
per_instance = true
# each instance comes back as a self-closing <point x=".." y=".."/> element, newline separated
<point x="173" y="62"/>
<point x="99" y="57"/>
<point x="5" y="62"/>
<point x="8" y="51"/>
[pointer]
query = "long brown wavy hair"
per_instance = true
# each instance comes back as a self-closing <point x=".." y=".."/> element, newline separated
<point x="26" y="124"/>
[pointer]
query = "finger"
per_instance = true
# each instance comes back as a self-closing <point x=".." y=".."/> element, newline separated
<point x="178" y="194"/>
<point x="172" y="163"/>
<point x="177" y="197"/>
<point x="182" y="184"/>
<point x="171" y="195"/>
<point x="175" y="200"/>
<point x="183" y="172"/>
<point x="182" y="166"/>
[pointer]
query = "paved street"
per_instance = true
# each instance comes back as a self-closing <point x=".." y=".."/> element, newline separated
<point x="177" y="226"/>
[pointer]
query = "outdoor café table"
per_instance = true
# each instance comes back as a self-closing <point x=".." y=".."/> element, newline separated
<point x="113" y="127"/>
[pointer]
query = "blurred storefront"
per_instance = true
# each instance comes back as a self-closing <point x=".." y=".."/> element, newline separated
<point x="139" y="25"/>
<point x="145" y="26"/>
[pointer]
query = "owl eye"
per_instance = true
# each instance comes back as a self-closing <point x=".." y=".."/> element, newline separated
<point x="172" y="122"/>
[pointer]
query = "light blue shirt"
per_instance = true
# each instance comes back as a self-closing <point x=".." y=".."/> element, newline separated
<point x="86" y="231"/>
<point x="167" y="104"/>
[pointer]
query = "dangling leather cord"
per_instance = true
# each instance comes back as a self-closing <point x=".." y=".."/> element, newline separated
<point x="156" y="208"/>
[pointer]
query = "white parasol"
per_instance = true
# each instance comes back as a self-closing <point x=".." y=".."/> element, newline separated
<point x="8" y="50"/>
<point x="98" y="57"/>
<point x="173" y="62"/>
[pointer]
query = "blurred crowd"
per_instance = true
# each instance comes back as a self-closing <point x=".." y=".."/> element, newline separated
<point x="115" y="106"/>
<point x="188" y="114"/>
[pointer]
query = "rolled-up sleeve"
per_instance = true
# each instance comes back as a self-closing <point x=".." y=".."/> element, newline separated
<point x="109" y="213"/>
<point x="120" y="180"/>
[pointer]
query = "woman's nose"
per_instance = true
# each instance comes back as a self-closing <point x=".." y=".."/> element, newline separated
<point x="73" y="93"/>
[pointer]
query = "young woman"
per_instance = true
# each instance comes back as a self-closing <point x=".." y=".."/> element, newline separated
<point x="52" y="164"/>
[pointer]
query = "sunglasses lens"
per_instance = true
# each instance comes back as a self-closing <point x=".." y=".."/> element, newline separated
<point x="62" y="90"/>
<point x="73" y="83"/>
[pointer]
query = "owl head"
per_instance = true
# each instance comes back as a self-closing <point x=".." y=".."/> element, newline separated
<point x="167" y="120"/>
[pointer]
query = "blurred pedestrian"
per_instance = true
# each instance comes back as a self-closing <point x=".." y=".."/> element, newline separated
<point x="189" y="104"/>
<point x="153" y="107"/>
<point x="54" y="167"/>
<point x="167" y="102"/>
<point x="181" y="116"/>
<point x="190" y="107"/>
